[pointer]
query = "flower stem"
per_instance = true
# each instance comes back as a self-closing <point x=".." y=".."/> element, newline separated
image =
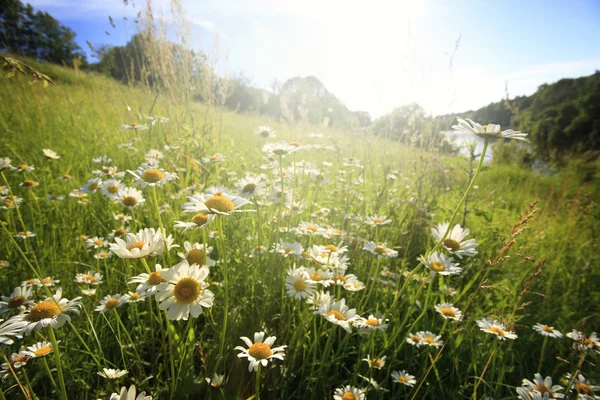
<point x="257" y="384"/>
<point x="59" y="371"/>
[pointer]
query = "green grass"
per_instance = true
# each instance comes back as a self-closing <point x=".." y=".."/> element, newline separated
<point x="81" y="118"/>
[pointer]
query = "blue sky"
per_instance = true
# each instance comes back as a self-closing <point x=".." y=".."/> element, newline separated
<point x="377" y="55"/>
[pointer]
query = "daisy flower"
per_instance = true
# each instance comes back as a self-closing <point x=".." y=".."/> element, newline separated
<point x="455" y="242"/>
<point x="151" y="176"/>
<point x="48" y="281"/>
<point x="380" y="250"/>
<point x="349" y="392"/>
<point x="147" y="242"/>
<point x="101" y="160"/>
<point x="92" y="185"/>
<point x="185" y="292"/>
<point x="122" y="217"/>
<point x="54" y="197"/>
<point x="491" y="131"/>
<point x="288" y="248"/>
<point x="439" y="263"/>
<point x="584" y="389"/>
<point x="51" y="154"/>
<point x="216" y="381"/>
<point x="378" y="220"/>
<point x="196" y="254"/>
<point x="23" y="168"/>
<point x="157" y="118"/>
<point x="129" y="394"/>
<point x="109" y="302"/>
<point x="5" y="163"/>
<point x="199" y="221"/>
<point x="96" y="242"/>
<point x="309" y="229"/>
<point x="40" y="349"/>
<point x="103" y="255"/>
<point x="129" y="197"/>
<point x="415" y="339"/>
<point x="28" y="184"/>
<point x="10" y="201"/>
<point x="448" y="311"/>
<point x="261" y="351"/>
<point x="495" y="327"/>
<point x="319" y="276"/>
<point x="111" y="188"/>
<point x="297" y="285"/>
<point x="219" y="203"/>
<point x="215" y="158"/>
<point x="51" y="312"/>
<point x="339" y="313"/>
<point x="119" y="232"/>
<point x="377" y="363"/>
<point x="110" y="373"/>
<point x="319" y="301"/>
<point x="17" y="361"/>
<point x="4" y="264"/>
<point x="543" y="386"/>
<point x="404" y="378"/>
<point x="265" y="132"/>
<point x="89" y="278"/>
<point x="17" y="301"/>
<point x="584" y="343"/>
<point x="25" y="235"/>
<point x="371" y="324"/>
<point x="281" y="148"/>
<point x="546" y="330"/>
<point x="135" y="297"/>
<point x="251" y="185"/>
<point x="430" y="339"/>
<point x="9" y="329"/>
<point x="148" y="283"/>
<point x="135" y="127"/>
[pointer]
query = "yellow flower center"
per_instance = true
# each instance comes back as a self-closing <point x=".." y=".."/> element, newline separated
<point x="23" y="166"/>
<point x="47" y="281"/>
<point x="447" y="312"/>
<point x="136" y="245"/>
<point x="437" y="266"/>
<point x="451" y="244"/>
<point x="402" y="379"/>
<point x="98" y="242"/>
<point x="377" y="220"/>
<point x="28" y="183"/>
<point x="196" y="256"/>
<point x="155" y="278"/>
<point x="377" y="363"/>
<point x="338" y="315"/>
<point x="42" y="351"/>
<point x="46" y="309"/>
<point x="134" y="297"/>
<point x="249" y="188"/>
<point x="110" y="304"/>
<point x="16" y="302"/>
<point x="8" y="203"/>
<point x="544" y="389"/>
<point x="120" y="231"/>
<point x="113" y="189"/>
<point x="547" y="329"/>
<point x="89" y="278"/>
<point x="581" y="387"/>
<point x="260" y="351"/>
<point x="187" y="290"/>
<point x="153" y="175"/>
<point x="93" y="186"/>
<point x="300" y="285"/>
<point x="379" y="250"/>
<point x="200" y="219"/>
<point x="428" y="340"/>
<point x="415" y="339"/>
<point x="103" y="255"/>
<point x="67" y="176"/>
<point x="312" y="228"/>
<point x="129" y="201"/>
<point x="331" y="248"/>
<point x="497" y="331"/>
<point x="372" y="322"/>
<point x="220" y="203"/>
<point x="316" y="277"/>
<point x="265" y="133"/>
<point x="340" y="278"/>
<point x="287" y="250"/>
<point x="19" y="359"/>
<point x="295" y="144"/>
<point x="349" y="396"/>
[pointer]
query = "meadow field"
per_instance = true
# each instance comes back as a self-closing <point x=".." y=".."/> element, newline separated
<point x="199" y="253"/>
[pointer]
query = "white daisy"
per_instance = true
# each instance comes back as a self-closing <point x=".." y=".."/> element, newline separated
<point x="543" y="386"/>
<point x="96" y="242"/>
<point x="448" y="311"/>
<point x="10" y="329"/>
<point x="110" y="373"/>
<point x="101" y="160"/>
<point x="430" y="339"/>
<point x="491" y="131"/>
<point x="199" y="221"/>
<point x="157" y="118"/>
<point x="455" y="241"/>
<point x="546" y="330"/>
<point x="216" y="381"/>
<point x="110" y="302"/>
<point x="40" y="349"/>
<point x="441" y="264"/>
<point x="349" y="392"/>
<point x="584" y="389"/>
<point x="378" y="220"/>
<point x="340" y="314"/>
<point x="134" y="127"/>
<point x="265" y="132"/>
<point x="219" y="203"/>
<point x="319" y="276"/>
<point x="584" y="343"/>
<point x="297" y="285"/>
<point x="129" y="197"/>
<point x="92" y="185"/>
<point x="260" y="351"/>
<point x="185" y="292"/>
<point x="495" y="327"/>
<point x="215" y="158"/>
<point x="404" y="378"/>
<point x="251" y="185"/>
<point x="51" y="154"/>
<point x="129" y="394"/>
<point x="281" y="148"/>
<point x="377" y="363"/>
<point x="147" y="242"/>
<point x="111" y="188"/>
<point x="151" y="176"/>
<point x="288" y="248"/>
<point x="23" y="168"/>
<point x="373" y="323"/>
<point x="28" y="184"/>
<point x="51" y="312"/>
<point x="5" y="163"/>
<point x="148" y="283"/>
<point x="17" y="301"/>
<point x="380" y="250"/>
<point x="89" y="278"/>
<point x="196" y="254"/>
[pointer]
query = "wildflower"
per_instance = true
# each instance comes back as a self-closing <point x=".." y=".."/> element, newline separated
<point x="584" y="343"/>
<point x="214" y="159"/>
<point x="197" y="254"/>
<point x="28" y="184"/>
<point x="10" y="202"/>
<point x="216" y="381"/>
<point x="50" y="312"/>
<point x="251" y="185"/>
<point x="5" y="163"/>
<point x="349" y="392"/>
<point x="455" y="241"/>
<point x="89" y="278"/>
<point x="51" y="154"/>
<point x="119" y="232"/>
<point x="373" y="323"/>
<point x="439" y="263"/>
<point x="378" y="220"/>
<point x="288" y="248"/>
<point x="134" y="126"/>
<point x="184" y="293"/>
<point x="377" y="363"/>
<point x="92" y="185"/>
<point x="17" y="361"/>
<point x="56" y="197"/>
<point x="11" y="328"/>
<point x="103" y="255"/>
<point x="96" y="242"/>
<point x="261" y="351"/>
<point x="147" y="242"/>
<point x="24" y="235"/>
<point x="546" y="330"/>
<point x="40" y="349"/>
<point x="495" y="327"/>
<point x="101" y="160"/>
<point x="17" y="301"/>
<point x="404" y="378"/>
<point x="584" y="389"/>
<point x="157" y="118"/>
<point x="199" y="221"/>
<point x="111" y="188"/>
<point x="23" y="168"/>
<point x="48" y="281"/>
<point x="88" y="292"/>
<point x="380" y="250"/>
<point x="491" y="131"/>
<point x="219" y="203"/>
<point x="4" y="264"/>
<point x="319" y="301"/>
<point x="281" y="148"/>
<point x="130" y="197"/>
<point x="543" y="386"/>
<point x="110" y="373"/>
<point x="297" y="285"/>
<point x="135" y="297"/>
<point x="319" y="276"/>
<point x="309" y="229"/>
<point x="265" y="132"/>
<point x="129" y="394"/>
<point x="339" y="313"/>
<point x="448" y="311"/>
<point x="430" y="339"/>
<point x="109" y="302"/>
<point x="151" y="176"/>
<point x="415" y="339"/>
<point x="122" y="217"/>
